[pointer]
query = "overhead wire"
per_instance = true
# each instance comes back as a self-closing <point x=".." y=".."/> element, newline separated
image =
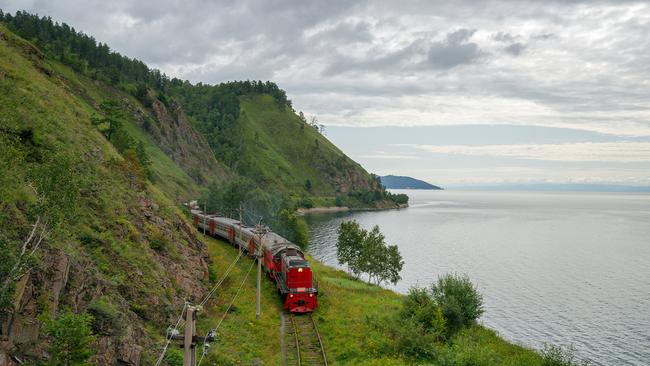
<point x="170" y="334"/>
<point x="207" y="297"/>
<point x="228" y="270"/>
<point x="214" y="330"/>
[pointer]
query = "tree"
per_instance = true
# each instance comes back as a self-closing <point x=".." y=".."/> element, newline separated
<point x="308" y="185"/>
<point x="111" y="120"/>
<point x="459" y="300"/>
<point x="367" y="252"/>
<point x="70" y="336"/>
<point x="293" y="227"/>
<point x="351" y="238"/>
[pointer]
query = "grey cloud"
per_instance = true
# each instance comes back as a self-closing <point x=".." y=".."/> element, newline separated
<point x="345" y="32"/>
<point x="367" y="52"/>
<point x="454" y="51"/>
<point x="505" y="37"/>
<point x="515" y="49"/>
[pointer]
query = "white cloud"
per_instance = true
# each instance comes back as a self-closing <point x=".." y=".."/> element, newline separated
<point x="389" y="157"/>
<point x="613" y="152"/>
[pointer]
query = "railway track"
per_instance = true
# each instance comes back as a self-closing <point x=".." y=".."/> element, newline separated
<point x="303" y="344"/>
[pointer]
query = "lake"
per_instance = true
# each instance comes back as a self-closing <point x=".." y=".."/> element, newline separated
<point x="557" y="268"/>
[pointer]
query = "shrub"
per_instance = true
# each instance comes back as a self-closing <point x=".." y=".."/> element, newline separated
<point x="419" y="306"/>
<point x="460" y="301"/>
<point x="106" y="318"/>
<point x="559" y="356"/>
<point x="174" y="357"/>
<point x="70" y="335"/>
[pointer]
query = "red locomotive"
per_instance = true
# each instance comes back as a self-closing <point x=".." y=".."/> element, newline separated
<point x="283" y="261"/>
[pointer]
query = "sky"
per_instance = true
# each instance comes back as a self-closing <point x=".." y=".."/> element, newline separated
<point x="452" y="92"/>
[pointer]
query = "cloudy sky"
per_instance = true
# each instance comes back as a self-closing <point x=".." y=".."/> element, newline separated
<point x="454" y="92"/>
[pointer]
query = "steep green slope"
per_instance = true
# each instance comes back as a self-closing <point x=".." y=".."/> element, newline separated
<point x="116" y="246"/>
<point x="106" y="241"/>
<point x="280" y="150"/>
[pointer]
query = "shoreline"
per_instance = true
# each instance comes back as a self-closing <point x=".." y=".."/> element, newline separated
<point x="333" y="209"/>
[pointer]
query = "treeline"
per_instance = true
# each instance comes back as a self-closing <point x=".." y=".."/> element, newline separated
<point x="241" y="199"/>
<point x="214" y="109"/>
<point x="366" y="252"/>
<point x="370" y="197"/>
<point x="95" y="59"/>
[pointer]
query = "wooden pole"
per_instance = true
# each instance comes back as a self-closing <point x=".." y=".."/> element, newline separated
<point x="259" y="279"/>
<point x="189" y="358"/>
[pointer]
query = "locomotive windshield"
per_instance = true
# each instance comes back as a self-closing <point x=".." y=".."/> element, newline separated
<point x="298" y="263"/>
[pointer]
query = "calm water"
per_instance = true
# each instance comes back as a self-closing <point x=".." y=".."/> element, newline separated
<point x="559" y="268"/>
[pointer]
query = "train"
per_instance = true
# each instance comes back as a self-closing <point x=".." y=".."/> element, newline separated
<point x="283" y="261"/>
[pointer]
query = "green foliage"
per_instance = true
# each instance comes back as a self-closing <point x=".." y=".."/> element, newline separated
<point x="292" y="227"/>
<point x="420" y="307"/>
<point x="111" y="120"/>
<point x="47" y="187"/>
<point x="106" y="317"/>
<point x="70" y="339"/>
<point x="257" y="205"/>
<point x="559" y="356"/>
<point x="110" y="124"/>
<point x="459" y="299"/>
<point x="367" y="252"/>
<point x="430" y="318"/>
<point x="173" y="357"/>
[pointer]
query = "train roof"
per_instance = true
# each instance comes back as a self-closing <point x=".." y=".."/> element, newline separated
<point x="275" y="243"/>
<point x="271" y="240"/>
<point x="226" y="220"/>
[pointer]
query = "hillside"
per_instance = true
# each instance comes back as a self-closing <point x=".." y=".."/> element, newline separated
<point x="96" y="248"/>
<point x="283" y="151"/>
<point x="105" y="240"/>
<point x="400" y="182"/>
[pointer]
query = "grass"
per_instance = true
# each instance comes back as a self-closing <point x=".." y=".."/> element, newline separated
<point x="241" y="338"/>
<point x="285" y="152"/>
<point x="109" y="242"/>
<point x="345" y="304"/>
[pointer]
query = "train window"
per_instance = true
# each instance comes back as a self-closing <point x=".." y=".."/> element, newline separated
<point x="298" y="263"/>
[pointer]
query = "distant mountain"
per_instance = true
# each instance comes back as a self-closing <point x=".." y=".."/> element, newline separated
<point x="398" y="182"/>
<point x="556" y="187"/>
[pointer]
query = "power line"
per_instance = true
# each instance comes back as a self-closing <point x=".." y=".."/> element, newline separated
<point x="228" y="270"/>
<point x="214" y="331"/>
<point x="170" y="333"/>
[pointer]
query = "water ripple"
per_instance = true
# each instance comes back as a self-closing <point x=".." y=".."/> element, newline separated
<point x="560" y="268"/>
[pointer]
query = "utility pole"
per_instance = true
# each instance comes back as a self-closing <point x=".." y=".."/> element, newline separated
<point x="189" y="354"/>
<point x="261" y="232"/>
<point x="190" y="339"/>
<point x="240" y="225"/>
<point x="205" y="215"/>
<point x="259" y="280"/>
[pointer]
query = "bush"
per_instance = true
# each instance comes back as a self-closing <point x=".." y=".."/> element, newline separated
<point x="459" y="300"/>
<point x="559" y="356"/>
<point x="70" y="335"/>
<point x="106" y="318"/>
<point x="420" y="307"/>
<point x="174" y="357"/>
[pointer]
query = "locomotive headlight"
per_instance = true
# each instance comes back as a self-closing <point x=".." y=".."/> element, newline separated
<point x="311" y="295"/>
<point x="299" y="269"/>
<point x="290" y="295"/>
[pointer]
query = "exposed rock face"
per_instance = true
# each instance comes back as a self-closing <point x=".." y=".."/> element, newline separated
<point x="180" y="141"/>
<point x="61" y="281"/>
